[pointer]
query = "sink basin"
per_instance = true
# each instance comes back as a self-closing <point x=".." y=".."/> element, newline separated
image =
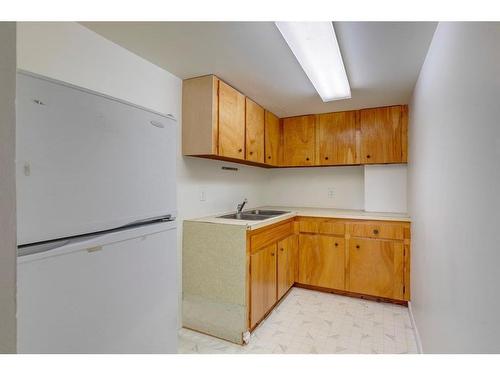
<point x="253" y="215"/>
<point x="244" y="216"/>
<point x="266" y="212"/>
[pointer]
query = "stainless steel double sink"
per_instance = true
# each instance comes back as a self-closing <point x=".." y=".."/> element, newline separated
<point x="254" y="215"/>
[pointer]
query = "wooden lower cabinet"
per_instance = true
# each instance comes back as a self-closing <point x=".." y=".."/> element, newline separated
<point x="262" y="282"/>
<point x="322" y="261"/>
<point x="375" y="267"/>
<point x="363" y="257"/>
<point x="287" y="264"/>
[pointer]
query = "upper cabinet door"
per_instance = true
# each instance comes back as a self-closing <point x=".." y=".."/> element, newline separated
<point x="382" y="135"/>
<point x="337" y="138"/>
<point x="254" y="132"/>
<point x="273" y="149"/>
<point x="231" y="122"/>
<point x="299" y="141"/>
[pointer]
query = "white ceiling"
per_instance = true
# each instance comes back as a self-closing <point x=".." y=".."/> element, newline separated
<point x="382" y="59"/>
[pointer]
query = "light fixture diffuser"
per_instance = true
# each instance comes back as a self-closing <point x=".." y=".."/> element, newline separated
<point x="315" y="46"/>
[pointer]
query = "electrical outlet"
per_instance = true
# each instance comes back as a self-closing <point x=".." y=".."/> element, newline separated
<point x="331" y="193"/>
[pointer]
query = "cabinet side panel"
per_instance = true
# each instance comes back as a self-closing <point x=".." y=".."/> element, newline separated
<point x="199" y="116"/>
<point x="214" y="279"/>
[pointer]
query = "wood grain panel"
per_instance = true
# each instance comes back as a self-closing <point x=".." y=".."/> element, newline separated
<point x="378" y="229"/>
<point x="381" y="135"/>
<point x="200" y="116"/>
<point x="273" y="148"/>
<point x="337" y="138"/>
<point x="231" y="122"/>
<point x="287" y="264"/>
<point x="404" y="134"/>
<point x="299" y="141"/>
<point x="267" y="236"/>
<point x="376" y="267"/>
<point x="254" y="126"/>
<point x="321" y="261"/>
<point x="321" y="225"/>
<point x="262" y="283"/>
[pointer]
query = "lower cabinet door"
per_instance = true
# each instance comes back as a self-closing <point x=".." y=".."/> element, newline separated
<point x="376" y="267"/>
<point x="287" y="264"/>
<point x="262" y="282"/>
<point x="321" y="261"/>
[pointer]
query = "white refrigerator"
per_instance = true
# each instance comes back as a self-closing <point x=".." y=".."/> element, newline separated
<point x="96" y="205"/>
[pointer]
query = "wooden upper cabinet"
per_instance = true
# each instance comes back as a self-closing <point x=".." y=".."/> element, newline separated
<point x="383" y="135"/>
<point x="337" y="138"/>
<point x="200" y="116"/>
<point x="262" y="282"/>
<point x="254" y="132"/>
<point x="376" y="267"/>
<point x="221" y="123"/>
<point x="299" y="141"/>
<point x="321" y="261"/>
<point x="273" y="149"/>
<point x="231" y="122"/>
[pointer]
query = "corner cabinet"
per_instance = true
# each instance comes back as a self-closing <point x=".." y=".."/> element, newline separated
<point x="360" y="257"/>
<point x="219" y="122"/>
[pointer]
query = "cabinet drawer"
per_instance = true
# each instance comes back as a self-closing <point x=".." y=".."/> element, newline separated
<point x="390" y="231"/>
<point x="268" y="236"/>
<point x="322" y="226"/>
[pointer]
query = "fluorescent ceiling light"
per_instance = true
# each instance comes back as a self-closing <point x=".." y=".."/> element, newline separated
<point x="315" y="46"/>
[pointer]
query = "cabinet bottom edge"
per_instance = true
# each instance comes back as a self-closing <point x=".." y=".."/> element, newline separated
<point x="352" y="294"/>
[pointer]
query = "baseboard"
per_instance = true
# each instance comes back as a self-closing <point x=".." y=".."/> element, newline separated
<point x="415" y="329"/>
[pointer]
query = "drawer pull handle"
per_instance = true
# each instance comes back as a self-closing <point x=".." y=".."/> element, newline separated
<point x="375" y="231"/>
<point x="326" y="157"/>
<point x="307" y="159"/>
<point x="336" y="244"/>
<point x="368" y="156"/>
<point x="357" y="246"/>
<point x="240" y="150"/>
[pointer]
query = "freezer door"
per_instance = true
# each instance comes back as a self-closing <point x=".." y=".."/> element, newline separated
<point x="88" y="163"/>
<point x="115" y="294"/>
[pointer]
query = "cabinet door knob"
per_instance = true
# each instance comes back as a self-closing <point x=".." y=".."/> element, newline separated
<point x="326" y="157"/>
<point x="281" y="249"/>
<point x="307" y="159"/>
<point x="272" y="254"/>
<point x="251" y="152"/>
<point x="368" y="156"/>
<point x="269" y="157"/>
<point x="240" y="150"/>
<point x="357" y="246"/>
<point x="336" y="244"/>
<point x="375" y="231"/>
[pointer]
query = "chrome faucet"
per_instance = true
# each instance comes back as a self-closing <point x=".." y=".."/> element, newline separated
<point x="241" y="205"/>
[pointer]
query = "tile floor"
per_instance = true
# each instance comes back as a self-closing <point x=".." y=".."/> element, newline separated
<point x="314" y="322"/>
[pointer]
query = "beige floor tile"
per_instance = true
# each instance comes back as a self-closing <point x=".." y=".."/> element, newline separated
<point x="309" y="322"/>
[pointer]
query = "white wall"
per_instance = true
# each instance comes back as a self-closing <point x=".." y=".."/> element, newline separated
<point x="454" y="185"/>
<point x="309" y="187"/>
<point x="8" y="248"/>
<point x="385" y="188"/>
<point x="72" y="53"/>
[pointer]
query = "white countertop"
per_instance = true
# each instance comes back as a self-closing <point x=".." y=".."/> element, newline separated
<point x="334" y="213"/>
